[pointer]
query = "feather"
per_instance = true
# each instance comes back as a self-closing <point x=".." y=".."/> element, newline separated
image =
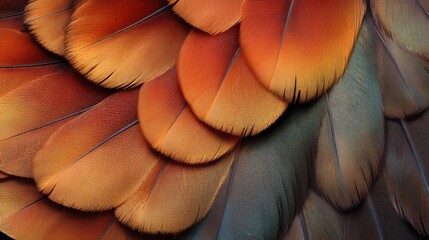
<point x="299" y="49"/>
<point x="268" y="182"/>
<point x="37" y="102"/>
<point x="169" y="125"/>
<point x="18" y="48"/>
<point x="47" y="21"/>
<point x="17" y="153"/>
<point x="210" y="16"/>
<point x="394" y="227"/>
<point x="89" y="163"/>
<point x="95" y="41"/>
<point x="29" y="113"/>
<point x="220" y="88"/>
<point x="404" y="80"/>
<point x="117" y="231"/>
<point x="43" y="220"/>
<point x="15" y="195"/>
<point x="407" y="168"/>
<point x="407" y="22"/>
<point x="351" y="140"/>
<point x="174" y="197"/>
<point x="318" y="220"/>
<point x="12" y="7"/>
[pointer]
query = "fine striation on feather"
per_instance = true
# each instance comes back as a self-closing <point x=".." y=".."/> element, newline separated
<point x="403" y="76"/>
<point x="117" y="50"/>
<point x="220" y="88"/>
<point x="407" y="169"/>
<point x="351" y="140"/>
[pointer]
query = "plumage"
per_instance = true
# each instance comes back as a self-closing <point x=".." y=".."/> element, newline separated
<point x="45" y="220"/>
<point x="210" y="16"/>
<point x="267" y="186"/>
<point x="220" y="88"/>
<point x="171" y="128"/>
<point x="299" y="49"/>
<point x="17" y="154"/>
<point x="95" y="41"/>
<point x="351" y="140"/>
<point x="174" y="197"/>
<point x="407" y="169"/>
<point x="404" y="78"/>
<point x="15" y="195"/>
<point x="27" y="53"/>
<point x="37" y="103"/>
<point x="406" y="22"/>
<point x="48" y="21"/>
<point x="88" y="147"/>
<point x="318" y="220"/>
<point x="173" y="159"/>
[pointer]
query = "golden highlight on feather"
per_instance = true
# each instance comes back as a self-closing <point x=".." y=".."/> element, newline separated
<point x="175" y="197"/>
<point x="171" y="128"/>
<point x="47" y="21"/>
<point x="44" y="100"/>
<point x="299" y="49"/>
<point x="93" y="148"/>
<point x="221" y="89"/>
<point x="117" y="50"/>
<point x="211" y="16"/>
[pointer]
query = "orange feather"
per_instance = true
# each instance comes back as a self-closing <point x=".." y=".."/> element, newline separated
<point x="219" y="87"/>
<point x="210" y="16"/>
<point x="90" y="147"/>
<point x="124" y="43"/>
<point x="299" y="49"/>
<point x="170" y="127"/>
<point x="18" y="48"/>
<point x="48" y="20"/>
<point x="175" y="197"/>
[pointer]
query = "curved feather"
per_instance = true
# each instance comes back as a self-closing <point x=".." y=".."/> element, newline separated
<point x="174" y="197"/>
<point x="88" y="164"/>
<point x="17" y="153"/>
<point x="95" y="41"/>
<point x="170" y="127"/>
<point x="407" y="168"/>
<point x="47" y="21"/>
<point x="220" y="88"/>
<point x="404" y="79"/>
<point x="407" y="22"/>
<point x="45" y="220"/>
<point x="351" y="140"/>
<point x="268" y="182"/>
<point x="16" y="194"/>
<point x="210" y="16"/>
<point x="392" y="224"/>
<point x="18" y="48"/>
<point x="299" y="49"/>
<point x="29" y="113"/>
